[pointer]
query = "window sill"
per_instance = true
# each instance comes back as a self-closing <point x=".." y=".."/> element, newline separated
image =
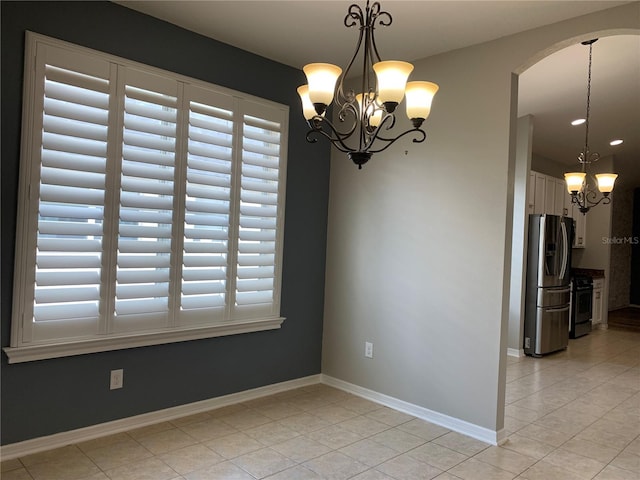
<point x="67" y="349"/>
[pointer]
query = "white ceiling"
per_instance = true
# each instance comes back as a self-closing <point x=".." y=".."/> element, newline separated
<point x="296" y="32"/>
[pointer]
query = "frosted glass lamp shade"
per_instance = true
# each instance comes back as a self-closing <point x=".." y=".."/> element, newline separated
<point x="392" y="79"/>
<point x="419" y="97"/>
<point x="606" y="182"/>
<point x="307" y="107"/>
<point x="574" y="181"/>
<point x="321" y="78"/>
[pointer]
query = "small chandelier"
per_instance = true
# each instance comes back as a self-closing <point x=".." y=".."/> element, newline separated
<point x="579" y="186"/>
<point x="364" y="116"/>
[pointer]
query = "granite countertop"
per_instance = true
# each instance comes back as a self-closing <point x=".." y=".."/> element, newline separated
<point x="591" y="272"/>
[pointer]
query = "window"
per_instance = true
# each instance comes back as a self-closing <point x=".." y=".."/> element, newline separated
<point x="151" y="206"/>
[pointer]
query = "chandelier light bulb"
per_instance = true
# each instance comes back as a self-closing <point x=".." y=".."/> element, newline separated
<point x="308" y="110"/>
<point x="606" y="182"/>
<point x="321" y="78"/>
<point x="419" y="96"/>
<point x="574" y="180"/>
<point x="392" y="78"/>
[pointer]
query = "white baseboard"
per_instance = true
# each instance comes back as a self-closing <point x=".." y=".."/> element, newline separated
<point x="514" y="352"/>
<point x="40" y="444"/>
<point x="475" y="431"/>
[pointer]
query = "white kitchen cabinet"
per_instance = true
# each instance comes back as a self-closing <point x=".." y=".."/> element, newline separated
<point x="540" y="193"/>
<point x="559" y="195"/>
<point x="597" y="306"/>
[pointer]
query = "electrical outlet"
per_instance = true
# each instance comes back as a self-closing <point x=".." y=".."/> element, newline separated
<point x="368" y="349"/>
<point x="527" y="342"/>
<point x="117" y="379"/>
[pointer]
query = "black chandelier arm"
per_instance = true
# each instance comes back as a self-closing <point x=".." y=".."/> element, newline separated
<point x="336" y="137"/>
<point x="390" y="141"/>
<point x="586" y="200"/>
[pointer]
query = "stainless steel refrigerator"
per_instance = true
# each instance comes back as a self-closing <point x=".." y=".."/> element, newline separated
<point x="548" y="290"/>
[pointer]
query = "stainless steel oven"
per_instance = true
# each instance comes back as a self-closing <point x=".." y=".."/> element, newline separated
<point x="581" y="305"/>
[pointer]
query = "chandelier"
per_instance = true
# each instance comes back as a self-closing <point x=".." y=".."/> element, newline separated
<point x="368" y="116"/>
<point x="581" y="188"/>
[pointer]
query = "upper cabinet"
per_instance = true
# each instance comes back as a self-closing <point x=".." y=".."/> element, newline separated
<point x="549" y="194"/>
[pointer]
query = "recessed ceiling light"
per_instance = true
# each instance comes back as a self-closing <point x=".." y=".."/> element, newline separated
<point x="613" y="143"/>
<point x="578" y="121"/>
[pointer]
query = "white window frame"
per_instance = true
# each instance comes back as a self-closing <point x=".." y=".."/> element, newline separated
<point x="233" y="317"/>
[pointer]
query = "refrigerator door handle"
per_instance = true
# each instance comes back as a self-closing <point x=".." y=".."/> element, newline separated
<point x="565" y="249"/>
<point x="555" y="310"/>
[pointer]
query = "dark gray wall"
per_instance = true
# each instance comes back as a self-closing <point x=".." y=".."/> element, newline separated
<point x="50" y="396"/>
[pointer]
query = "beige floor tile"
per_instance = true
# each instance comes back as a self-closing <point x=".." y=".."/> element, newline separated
<point x="16" y="474"/>
<point x="295" y="473"/>
<point x="473" y="469"/>
<point x="112" y="455"/>
<point x="369" y="452"/>
<point x="301" y="449"/>
<point x="545" y="435"/>
<point x="546" y="471"/>
<point x="390" y="417"/>
<point x="148" y="469"/>
<point x="461" y="443"/>
<point x="335" y="466"/>
<point x="263" y="462"/>
<point x="578" y="464"/>
<point x="271" y="433"/>
<point x="628" y="461"/>
<point x="103" y="442"/>
<point x="61" y="454"/>
<point x="8" y="465"/>
<point x="423" y="429"/>
<point x="591" y="450"/>
<point x="166" y="441"/>
<point x="614" y="473"/>
<point x="398" y="440"/>
<point x="63" y="469"/>
<point x="279" y="410"/>
<point x="335" y="436"/>
<point x="364" y="426"/>
<point x="441" y="457"/>
<point x="372" y="475"/>
<point x="527" y="446"/>
<point x="234" y="445"/>
<point x="334" y="413"/>
<point x="406" y="467"/>
<point x="224" y="470"/>
<point x="505" y="459"/>
<point x="245" y="419"/>
<point x="359" y="405"/>
<point x="207" y="429"/>
<point x="189" y="459"/>
<point x="303" y="423"/>
<point x="446" y="476"/>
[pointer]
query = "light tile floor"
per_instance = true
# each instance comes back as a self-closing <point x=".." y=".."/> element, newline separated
<point x="571" y="415"/>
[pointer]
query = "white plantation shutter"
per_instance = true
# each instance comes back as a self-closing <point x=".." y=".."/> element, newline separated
<point x="207" y="206"/>
<point x="258" y="248"/>
<point x="146" y="202"/>
<point x="70" y="213"/>
<point x="151" y="207"/>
